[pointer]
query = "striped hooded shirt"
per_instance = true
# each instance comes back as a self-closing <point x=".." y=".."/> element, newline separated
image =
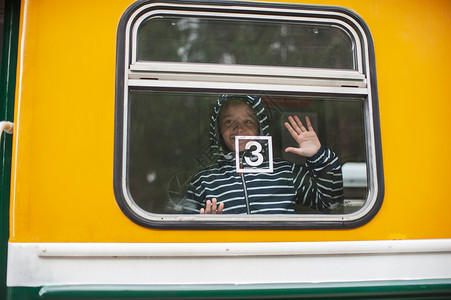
<point x="318" y="184"/>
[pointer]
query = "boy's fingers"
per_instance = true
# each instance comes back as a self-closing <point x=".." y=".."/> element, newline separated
<point x="294" y="150"/>
<point x="300" y="124"/>
<point x="294" y="125"/>
<point x="290" y="129"/>
<point x="208" y="207"/>
<point x="214" y="205"/>
<point x="297" y="124"/>
<point x="309" y="124"/>
<point x="220" y="208"/>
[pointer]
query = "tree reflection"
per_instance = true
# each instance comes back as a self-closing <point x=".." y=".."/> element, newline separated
<point x="228" y="41"/>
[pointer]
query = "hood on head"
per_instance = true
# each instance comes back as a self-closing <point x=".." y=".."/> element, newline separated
<point x="255" y="102"/>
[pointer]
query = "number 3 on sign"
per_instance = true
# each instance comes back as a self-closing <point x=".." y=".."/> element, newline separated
<point x="256" y="152"/>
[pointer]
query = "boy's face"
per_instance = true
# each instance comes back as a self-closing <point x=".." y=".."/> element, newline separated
<point x="238" y="119"/>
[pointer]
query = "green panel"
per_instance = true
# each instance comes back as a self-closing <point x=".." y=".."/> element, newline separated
<point x="7" y="89"/>
<point x="23" y="293"/>
<point x="417" y="289"/>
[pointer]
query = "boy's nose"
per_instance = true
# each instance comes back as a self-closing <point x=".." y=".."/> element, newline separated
<point x="238" y="127"/>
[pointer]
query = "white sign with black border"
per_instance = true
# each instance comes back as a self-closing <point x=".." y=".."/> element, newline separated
<point x="256" y="150"/>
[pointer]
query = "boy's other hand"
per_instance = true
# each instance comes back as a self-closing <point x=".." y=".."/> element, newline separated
<point x="212" y="207"/>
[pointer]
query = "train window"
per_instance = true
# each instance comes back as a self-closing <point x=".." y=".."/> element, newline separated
<point x="207" y="97"/>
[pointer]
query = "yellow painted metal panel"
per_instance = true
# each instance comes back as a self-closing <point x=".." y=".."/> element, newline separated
<point x="62" y="181"/>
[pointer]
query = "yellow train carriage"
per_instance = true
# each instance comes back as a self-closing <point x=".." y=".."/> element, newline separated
<point x="112" y="101"/>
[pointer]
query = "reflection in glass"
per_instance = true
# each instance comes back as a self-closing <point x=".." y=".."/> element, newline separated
<point x="168" y="142"/>
<point x="229" y="41"/>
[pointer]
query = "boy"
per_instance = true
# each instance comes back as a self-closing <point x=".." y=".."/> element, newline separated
<point x="219" y="189"/>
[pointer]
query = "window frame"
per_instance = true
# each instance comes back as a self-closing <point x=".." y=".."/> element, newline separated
<point x="216" y="77"/>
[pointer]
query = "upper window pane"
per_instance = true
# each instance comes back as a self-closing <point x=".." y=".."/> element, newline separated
<point x="231" y="41"/>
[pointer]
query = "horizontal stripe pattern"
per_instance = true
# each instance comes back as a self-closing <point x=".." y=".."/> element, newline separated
<point x="318" y="185"/>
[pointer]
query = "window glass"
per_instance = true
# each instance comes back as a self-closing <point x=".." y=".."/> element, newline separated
<point x="169" y="142"/>
<point x="247" y="42"/>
